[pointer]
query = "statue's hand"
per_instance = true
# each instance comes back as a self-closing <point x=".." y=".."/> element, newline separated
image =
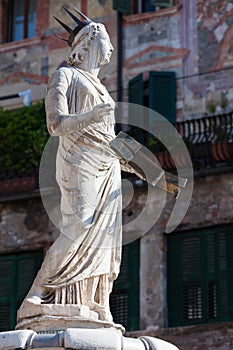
<point x="100" y="111"/>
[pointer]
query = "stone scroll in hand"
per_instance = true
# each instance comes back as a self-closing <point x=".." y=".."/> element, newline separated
<point x="144" y="166"/>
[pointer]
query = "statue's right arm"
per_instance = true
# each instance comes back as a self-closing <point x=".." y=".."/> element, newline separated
<point x="59" y="120"/>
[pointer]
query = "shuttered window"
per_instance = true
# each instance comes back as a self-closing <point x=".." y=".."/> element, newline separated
<point x="17" y="272"/>
<point x="158" y="93"/>
<point x="124" y="299"/>
<point x="162" y="94"/>
<point x="200" y="276"/>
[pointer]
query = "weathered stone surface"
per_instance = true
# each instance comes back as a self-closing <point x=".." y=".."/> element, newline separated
<point x="49" y="341"/>
<point x="16" y="339"/>
<point x="54" y="323"/>
<point x="30" y="310"/>
<point x="24" y="225"/>
<point x="86" y="339"/>
<point x="152" y="296"/>
<point x="158" y="344"/>
<point x="79" y="339"/>
<point x="134" y="344"/>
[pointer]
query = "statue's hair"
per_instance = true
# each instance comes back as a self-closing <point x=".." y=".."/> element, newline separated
<point x="82" y="43"/>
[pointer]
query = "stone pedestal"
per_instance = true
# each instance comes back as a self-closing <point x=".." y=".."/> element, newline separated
<point x="79" y="339"/>
<point x="51" y="318"/>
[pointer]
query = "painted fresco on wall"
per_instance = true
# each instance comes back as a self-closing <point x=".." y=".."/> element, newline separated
<point x="215" y="34"/>
<point x="210" y="91"/>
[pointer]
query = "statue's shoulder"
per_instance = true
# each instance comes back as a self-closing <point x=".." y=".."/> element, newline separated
<point x="63" y="71"/>
<point x="61" y="77"/>
<point x="70" y="73"/>
<point x="65" y="76"/>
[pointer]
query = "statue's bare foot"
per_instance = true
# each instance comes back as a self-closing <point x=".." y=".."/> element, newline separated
<point x="103" y="311"/>
<point x="36" y="300"/>
<point x="105" y="315"/>
<point x="35" y="296"/>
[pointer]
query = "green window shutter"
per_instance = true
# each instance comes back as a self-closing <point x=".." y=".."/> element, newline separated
<point x="6" y="291"/>
<point x="230" y="271"/>
<point x="124" y="299"/>
<point x="225" y="273"/>
<point x="192" y="288"/>
<point x="136" y="115"/>
<point x="162" y="94"/>
<point x="200" y="281"/>
<point x="123" y="6"/>
<point x="27" y="266"/>
<point x="17" y="272"/>
<point x="174" y="299"/>
<point x="136" y="90"/>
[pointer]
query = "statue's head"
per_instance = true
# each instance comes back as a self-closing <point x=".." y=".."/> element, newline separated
<point x="88" y="41"/>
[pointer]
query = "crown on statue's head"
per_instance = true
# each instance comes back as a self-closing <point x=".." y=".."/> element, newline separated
<point x="80" y="25"/>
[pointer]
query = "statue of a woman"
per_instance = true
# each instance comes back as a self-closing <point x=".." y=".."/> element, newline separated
<point x="81" y="265"/>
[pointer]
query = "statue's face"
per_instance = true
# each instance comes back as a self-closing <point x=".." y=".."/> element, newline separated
<point x="105" y="47"/>
<point x="91" y="49"/>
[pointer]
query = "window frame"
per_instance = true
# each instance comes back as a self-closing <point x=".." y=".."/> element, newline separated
<point x="8" y="21"/>
<point x="189" y="307"/>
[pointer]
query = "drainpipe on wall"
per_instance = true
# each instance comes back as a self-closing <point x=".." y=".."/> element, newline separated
<point x="119" y="56"/>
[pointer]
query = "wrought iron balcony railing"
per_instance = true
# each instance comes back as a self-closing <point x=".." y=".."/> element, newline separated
<point x="209" y="140"/>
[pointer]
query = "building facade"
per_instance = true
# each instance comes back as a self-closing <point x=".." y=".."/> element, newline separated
<point x="175" y="57"/>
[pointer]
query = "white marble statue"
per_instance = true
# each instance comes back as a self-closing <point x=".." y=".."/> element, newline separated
<point x="71" y="292"/>
<point x="81" y="265"/>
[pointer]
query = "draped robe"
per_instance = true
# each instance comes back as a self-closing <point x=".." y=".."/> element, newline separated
<point x="88" y="174"/>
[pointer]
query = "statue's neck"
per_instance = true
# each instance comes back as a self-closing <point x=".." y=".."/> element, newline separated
<point x="92" y="70"/>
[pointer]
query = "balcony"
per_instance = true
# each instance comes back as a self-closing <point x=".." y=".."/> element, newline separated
<point x="210" y="142"/>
